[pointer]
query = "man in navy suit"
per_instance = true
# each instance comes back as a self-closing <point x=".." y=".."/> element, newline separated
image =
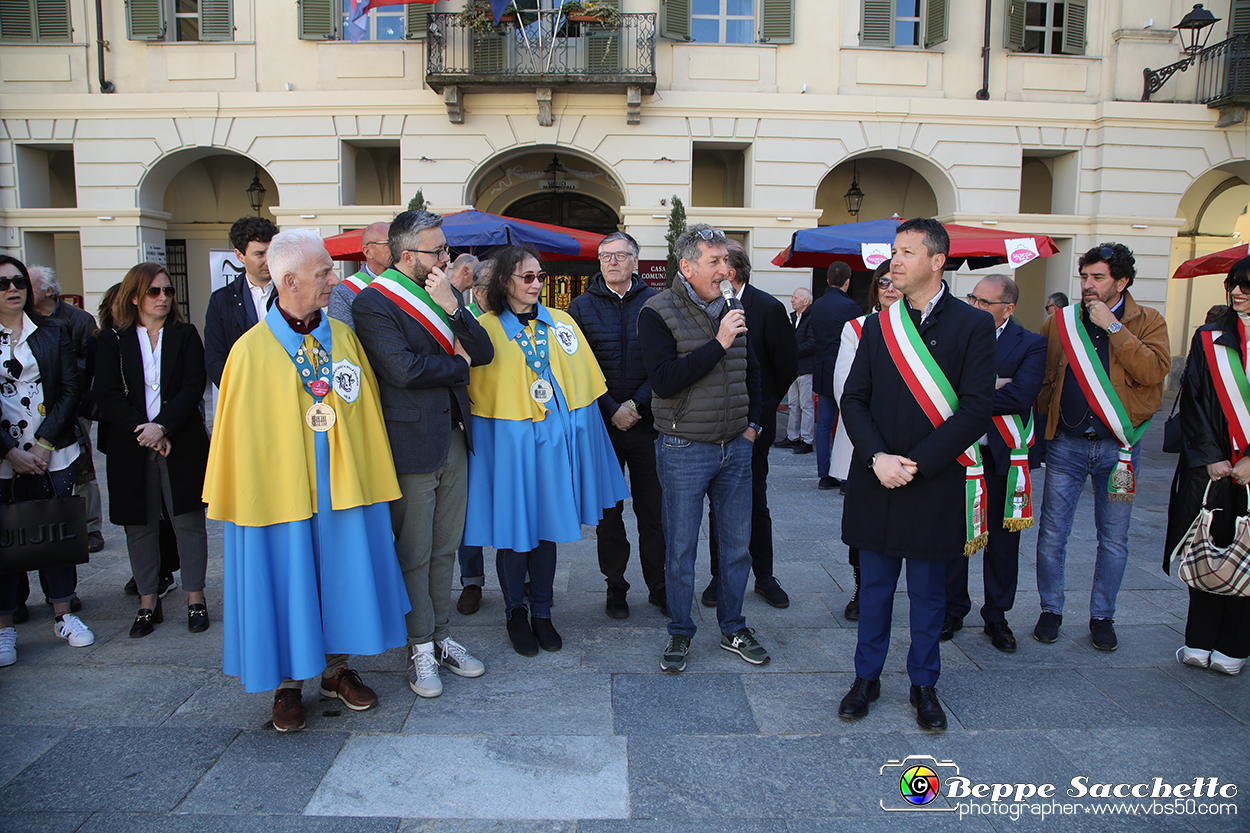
<point x="421" y="340"/>
<point x="236" y="307"/>
<point x="829" y="313"/>
<point x="1021" y="365"/>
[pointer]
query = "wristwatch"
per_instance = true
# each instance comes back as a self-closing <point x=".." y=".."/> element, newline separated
<point x="1115" y="327"/>
<point x="756" y="427"/>
<point x="872" y="461"/>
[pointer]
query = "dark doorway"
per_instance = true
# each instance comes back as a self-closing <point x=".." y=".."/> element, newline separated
<point x="565" y="209"/>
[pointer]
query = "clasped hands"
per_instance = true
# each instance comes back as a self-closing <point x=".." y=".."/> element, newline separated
<point x="894" y="470"/>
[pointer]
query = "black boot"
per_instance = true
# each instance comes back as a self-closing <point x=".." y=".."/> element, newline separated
<point x="519" y="632"/>
<point x="851" y="614"/>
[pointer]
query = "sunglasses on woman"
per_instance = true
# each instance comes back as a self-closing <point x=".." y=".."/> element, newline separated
<point x="16" y="283"/>
<point x="529" y="277"/>
<point x="155" y="291"/>
<point x="1244" y="282"/>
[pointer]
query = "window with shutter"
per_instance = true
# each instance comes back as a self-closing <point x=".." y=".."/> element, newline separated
<point x="417" y="23"/>
<point x="1049" y="27"/>
<point x="1015" y="25"/>
<point x="17" y="21"/>
<point x="316" y="19"/>
<point x="777" y="21"/>
<point x="1074" y="15"/>
<point x="877" y="23"/>
<point x="935" y="22"/>
<point x="216" y="20"/>
<point x="1239" y="22"/>
<point x="145" y="19"/>
<point x="675" y="19"/>
<point x="904" y="22"/>
<point x="34" y="21"/>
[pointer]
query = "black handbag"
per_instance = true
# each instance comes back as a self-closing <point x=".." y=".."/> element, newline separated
<point x="38" y="534"/>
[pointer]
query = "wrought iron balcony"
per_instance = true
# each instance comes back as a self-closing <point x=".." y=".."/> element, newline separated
<point x="1224" y="74"/>
<point x="543" y="50"/>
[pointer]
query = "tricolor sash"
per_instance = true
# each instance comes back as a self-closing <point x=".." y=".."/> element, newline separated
<point x="1232" y="388"/>
<point x="857" y="324"/>
<point x="357" y="281"/>
<point x="1017" y="433"/>
<point x="414" y="300"/>
<point x="1102" y="399"/>
<point x="937" y="399"/>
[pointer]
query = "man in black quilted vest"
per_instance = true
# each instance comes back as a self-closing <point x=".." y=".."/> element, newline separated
<point x="608" y="312"/>
<point x="705" y="398"/>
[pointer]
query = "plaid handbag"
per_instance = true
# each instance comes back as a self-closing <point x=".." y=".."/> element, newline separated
<point x="1203" y="564"/>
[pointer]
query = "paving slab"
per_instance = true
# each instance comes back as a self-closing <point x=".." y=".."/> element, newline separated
<point x="19" y="747"/>
<point x="96" y="695"/>
<point x="506" y="777"/>
<point x="36" y="822"/>
<point x="150" y="823"/>
<point x="660" y="705"/>
<point x="515" y="703"/>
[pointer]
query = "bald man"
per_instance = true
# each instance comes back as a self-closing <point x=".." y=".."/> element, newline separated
<point x="373" y="242"/>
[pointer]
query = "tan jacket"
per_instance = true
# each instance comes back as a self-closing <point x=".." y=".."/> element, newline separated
<point x="1140" y="360"/>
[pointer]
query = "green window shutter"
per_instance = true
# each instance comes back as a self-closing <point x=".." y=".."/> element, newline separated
<point x="675" y="19"/>
<point x="1015" y="25"/>
<point x="17" y="21"/>
<point x="877" y="24"/>
<point x="52" y="20"/>
<point x="936" y="27"/>
<point x="777" y="21"/>
<point x="316" y="19"/>
<point x="1239" y="26"/>
<point x="1074" y="14"/>
<point x="416" y="21"/>
<point x="216" y="20"/>
<point x="145" y="19"/>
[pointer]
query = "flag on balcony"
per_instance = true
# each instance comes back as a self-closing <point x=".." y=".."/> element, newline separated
<point x="498" y="7"/>
<point x="358" y="27"/>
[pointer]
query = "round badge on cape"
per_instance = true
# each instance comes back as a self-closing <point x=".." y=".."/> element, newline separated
<point x="566" y="337"/>
<point x="319" y="388"/>
<point x="320" y="417"/>
<point x="542" y="391"/>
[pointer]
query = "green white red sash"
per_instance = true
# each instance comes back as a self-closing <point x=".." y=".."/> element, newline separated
<point x="937" y="399"/>
<point x="1232" y="388"/>
<point x="414" y="300"/>
<point x="357" y="281"/>
<point x="1102" y="399"/>
<point x="1017" y="433"/>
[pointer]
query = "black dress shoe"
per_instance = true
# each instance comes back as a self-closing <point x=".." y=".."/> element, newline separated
<point x="146" y="621"/>
<point x="709" y="593"/>
<point x="851" y="613"/>
<point x="929" y="714"/>
<point x="786" y="442"/>
<point x="1001" y="637"/>
<point x="771" y="590"/>
<point x="546" y="634"/>
<point x="855" y="704"/>
<point x="95" y="542"/>
<point x="197" y="618"/>
<point x="949" y="626"/>
<point x="827" y="483"/>
<point x="659" y="598"/>
<point x="519" y="632"/>
<point x="803" y="448"/>
<point x="616" y="607"/>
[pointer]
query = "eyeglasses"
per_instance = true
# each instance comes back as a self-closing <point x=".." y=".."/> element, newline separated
<point x="529" y="277"/>
<point x="378" y="243"/>
<point x="615" y="257"/>
<point x="155" y="291"/>
<point x="710" y="234"/>
<point x="1230" y="283"/>
<point x="1107" y="252"/>
<point x="1051" y="307"/>
<point x="884" y="283"/>
<point x="440" y="253"/>
<point x="984" y="304"/>
<point x="16" y="283"/>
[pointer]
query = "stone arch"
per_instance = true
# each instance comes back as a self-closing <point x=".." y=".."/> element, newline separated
<point x="517" y="173"/>
<point x="925" y="187"/>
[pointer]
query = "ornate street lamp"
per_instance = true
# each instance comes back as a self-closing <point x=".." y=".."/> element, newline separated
<point x="555" y="174"/>
<point x="854" y="197"/>
<point x="256" y="193"/>
<point x="1189" y="27"/>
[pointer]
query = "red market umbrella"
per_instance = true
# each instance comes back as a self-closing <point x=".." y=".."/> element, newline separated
<point x="469" y="230"/>
<point x="1216" y="263"/>
<point x="978" y="247"/>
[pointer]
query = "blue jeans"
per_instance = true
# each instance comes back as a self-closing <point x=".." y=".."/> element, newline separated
<point x="689" y="471"/>
<point x="1068" y="462"/>
<point x="826" y="420"/>
<point x="472" y="568"/>
<point x="540" y="564"/>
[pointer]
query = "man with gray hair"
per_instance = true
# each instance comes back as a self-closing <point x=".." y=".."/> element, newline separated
<point x="421" y="340"/>
<point x="377" y="251"/>
<point x="706" y="402"/>
<point x="46" y="293"/>
<point x="300" y="472"/>
<point x="1021" y="365"/>
<point x="800" y="428"/>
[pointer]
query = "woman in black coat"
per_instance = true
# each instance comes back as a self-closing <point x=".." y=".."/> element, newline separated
<point x="1217" y="631"/>
<point x="149" y="379"/>
<point x="39" y="396"/>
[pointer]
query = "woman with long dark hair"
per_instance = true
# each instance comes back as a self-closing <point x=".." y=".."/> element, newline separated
<point x="149" y="379"/>
<point x="39" y="393"/>
<point x="1217" y="630"/>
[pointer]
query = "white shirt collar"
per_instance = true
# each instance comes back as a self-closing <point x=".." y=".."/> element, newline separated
<point x="999" y="330"/>
<point x="928" y="308"/>
<point x="28" y="327"/>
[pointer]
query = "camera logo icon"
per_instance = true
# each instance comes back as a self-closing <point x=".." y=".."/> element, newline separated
<point x="919" y="784"/>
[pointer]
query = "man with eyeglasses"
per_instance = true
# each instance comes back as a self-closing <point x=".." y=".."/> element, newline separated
<point x="421" y="340"/>
<point x="377" y="252"/>
<point x="1106" y="359"/>
<point x="607" y="313"/>
<point x="236" y="307"/>
<point x="1056" y="301"/>
<point x="706" y="401"/>
<point x="1021" y="363"/>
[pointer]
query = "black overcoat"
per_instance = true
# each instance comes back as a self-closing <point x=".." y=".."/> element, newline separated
<point x="924" y="519"/>
<point x="122" y="406"/>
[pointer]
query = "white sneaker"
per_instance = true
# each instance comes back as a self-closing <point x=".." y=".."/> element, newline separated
<point x="1226" y="664"/>
<point x="71" y="628"/>
<point x="452" y="656"/>
<point x="8" y="646"/>
<point x="1193" y="656"/>
<point x="423" y="671"/>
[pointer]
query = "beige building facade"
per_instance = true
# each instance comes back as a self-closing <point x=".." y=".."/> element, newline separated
<point x="761" y="138"/>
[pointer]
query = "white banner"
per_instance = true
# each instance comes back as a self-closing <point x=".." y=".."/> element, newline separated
<point x="1021" y="251"/>
<point x="874" y="254"/>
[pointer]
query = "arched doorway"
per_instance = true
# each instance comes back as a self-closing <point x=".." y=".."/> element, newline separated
<point x="203" y="190"/>
<point x="566" y="209"/>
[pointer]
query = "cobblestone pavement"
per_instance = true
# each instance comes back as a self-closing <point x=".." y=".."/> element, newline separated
<point x="148" y="735"/>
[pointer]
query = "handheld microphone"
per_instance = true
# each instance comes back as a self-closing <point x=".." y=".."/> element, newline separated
<point x="727" y="292"/>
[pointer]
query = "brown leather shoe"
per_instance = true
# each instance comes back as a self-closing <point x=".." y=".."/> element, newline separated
<point x="288" y="710"/>
<point x="346" y="685"/>
<point x="470" y="600"/>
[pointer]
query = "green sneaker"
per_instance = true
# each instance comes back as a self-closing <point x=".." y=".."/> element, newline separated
<point x="743" y="643"/>
<point x="674" y="658"/>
